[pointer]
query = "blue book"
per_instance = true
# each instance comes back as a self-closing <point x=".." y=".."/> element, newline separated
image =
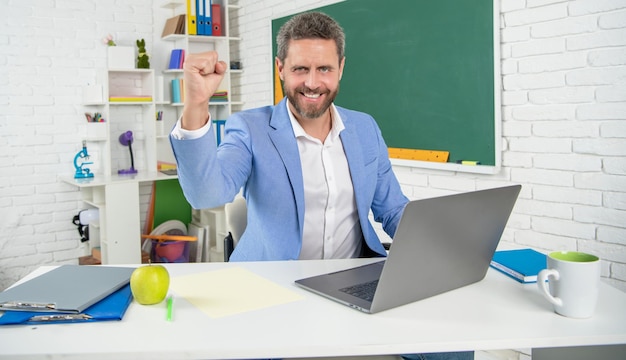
<point x="175" y="59"/>
<point x="522" y="265"/>
<point x="111" y="307"/>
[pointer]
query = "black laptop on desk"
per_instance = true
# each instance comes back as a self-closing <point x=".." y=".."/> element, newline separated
<point x="440" y="244"/>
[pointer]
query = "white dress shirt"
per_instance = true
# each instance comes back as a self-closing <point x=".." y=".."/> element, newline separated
<point x="331" y="223"/>
<point x="181" y="134"/>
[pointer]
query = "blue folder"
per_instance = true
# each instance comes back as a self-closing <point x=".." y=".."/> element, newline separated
<point x="522" y="265"/>
<point x="110" y="308"/>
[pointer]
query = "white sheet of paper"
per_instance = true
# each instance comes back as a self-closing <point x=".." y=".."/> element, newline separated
<point x="230" y="291"/>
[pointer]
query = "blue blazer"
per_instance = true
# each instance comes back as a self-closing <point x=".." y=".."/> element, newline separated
<point x="259" y="152"/>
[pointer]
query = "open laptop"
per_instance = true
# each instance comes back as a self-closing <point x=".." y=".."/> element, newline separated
<point x="440" y="244"/>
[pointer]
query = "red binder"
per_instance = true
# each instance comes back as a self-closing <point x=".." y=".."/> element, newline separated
<point x="216" y="15"/>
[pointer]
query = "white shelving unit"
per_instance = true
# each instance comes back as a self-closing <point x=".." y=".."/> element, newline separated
<point x="118" y="232"/>
<point x="116" y="196"/>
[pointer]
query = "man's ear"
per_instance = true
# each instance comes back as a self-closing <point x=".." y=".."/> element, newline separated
<point x="279" y="66"/>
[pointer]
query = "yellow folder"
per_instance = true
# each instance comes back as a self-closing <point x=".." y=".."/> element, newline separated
<point x="192" y="28"/>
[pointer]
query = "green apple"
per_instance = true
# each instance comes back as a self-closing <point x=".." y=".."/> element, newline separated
<point x="149" y="284"/>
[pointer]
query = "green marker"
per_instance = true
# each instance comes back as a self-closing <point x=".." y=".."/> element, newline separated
<point x="170" y="308"/>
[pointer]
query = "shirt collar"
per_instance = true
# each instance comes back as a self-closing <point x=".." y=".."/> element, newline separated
<point x="335" y="128"/>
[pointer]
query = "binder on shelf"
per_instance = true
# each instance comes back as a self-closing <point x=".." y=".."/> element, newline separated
<point x="110" y="308"/>
<point x="208" y="18"/>
<point x="219" y="130"/>
<point x="216" y="17"/>
<point x="522" y="265"/>
<point x="192" y="28"/>
<point x="204" y="14"/>
<point x="65" y="289"/>
<point x="199" y="17"/>
<point x="208" y="23"/>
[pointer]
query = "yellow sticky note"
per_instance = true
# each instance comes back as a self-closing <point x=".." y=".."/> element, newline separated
<point x="230" y="291"/>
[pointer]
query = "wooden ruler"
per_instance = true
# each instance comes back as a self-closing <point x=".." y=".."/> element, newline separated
<point x="416" y="154"/>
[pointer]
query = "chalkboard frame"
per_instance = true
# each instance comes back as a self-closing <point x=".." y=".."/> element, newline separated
<point x="493" y="142"/>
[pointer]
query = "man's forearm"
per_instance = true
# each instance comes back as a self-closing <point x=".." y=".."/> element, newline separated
<point x="194" y="116"/>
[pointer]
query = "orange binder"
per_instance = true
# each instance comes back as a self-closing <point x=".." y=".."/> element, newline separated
<point x="216" y="17"/>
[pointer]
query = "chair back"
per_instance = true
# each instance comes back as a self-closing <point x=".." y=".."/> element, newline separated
<point x="236" y="221"/>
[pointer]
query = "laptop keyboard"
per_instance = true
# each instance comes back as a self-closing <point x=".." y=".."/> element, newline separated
<point x="363" y="291"/>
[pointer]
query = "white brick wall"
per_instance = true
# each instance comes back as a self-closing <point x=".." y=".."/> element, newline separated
<point x="565" y="76"/>
<point x="563" y="108"/>
<point x="48" y="51"/>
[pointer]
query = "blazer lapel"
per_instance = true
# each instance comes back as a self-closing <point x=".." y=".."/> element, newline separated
<point x="354" y="154"/>
<point x="285" y="143"/>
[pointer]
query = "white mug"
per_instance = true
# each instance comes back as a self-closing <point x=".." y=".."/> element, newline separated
<point x="573" y="280"/>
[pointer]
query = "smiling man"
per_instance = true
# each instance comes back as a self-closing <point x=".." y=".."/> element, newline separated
<point x="311" y="171"/>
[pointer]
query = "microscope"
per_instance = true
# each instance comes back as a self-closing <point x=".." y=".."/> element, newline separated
<point x="81" y="171"/>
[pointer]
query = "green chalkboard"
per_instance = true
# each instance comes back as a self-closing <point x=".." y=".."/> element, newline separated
<point x="424" y="69"/>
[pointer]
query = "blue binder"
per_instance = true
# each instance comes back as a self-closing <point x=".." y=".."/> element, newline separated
<point x="110" y="308"/>
<point x="203" y="15"/>
<point x="200" y="17"/>
<point x="208" y="23"/>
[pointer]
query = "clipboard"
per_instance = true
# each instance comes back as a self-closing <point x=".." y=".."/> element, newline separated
<point x="65" y="289"/>
<point x="110" y="308"/>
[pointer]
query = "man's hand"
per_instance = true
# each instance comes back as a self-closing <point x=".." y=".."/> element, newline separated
<point x="203" y="73"/>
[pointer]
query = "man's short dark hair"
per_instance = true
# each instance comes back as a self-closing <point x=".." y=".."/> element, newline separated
<point x="310" y="25"/>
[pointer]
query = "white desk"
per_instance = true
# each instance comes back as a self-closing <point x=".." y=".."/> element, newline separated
<point x="496" y="313"/>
